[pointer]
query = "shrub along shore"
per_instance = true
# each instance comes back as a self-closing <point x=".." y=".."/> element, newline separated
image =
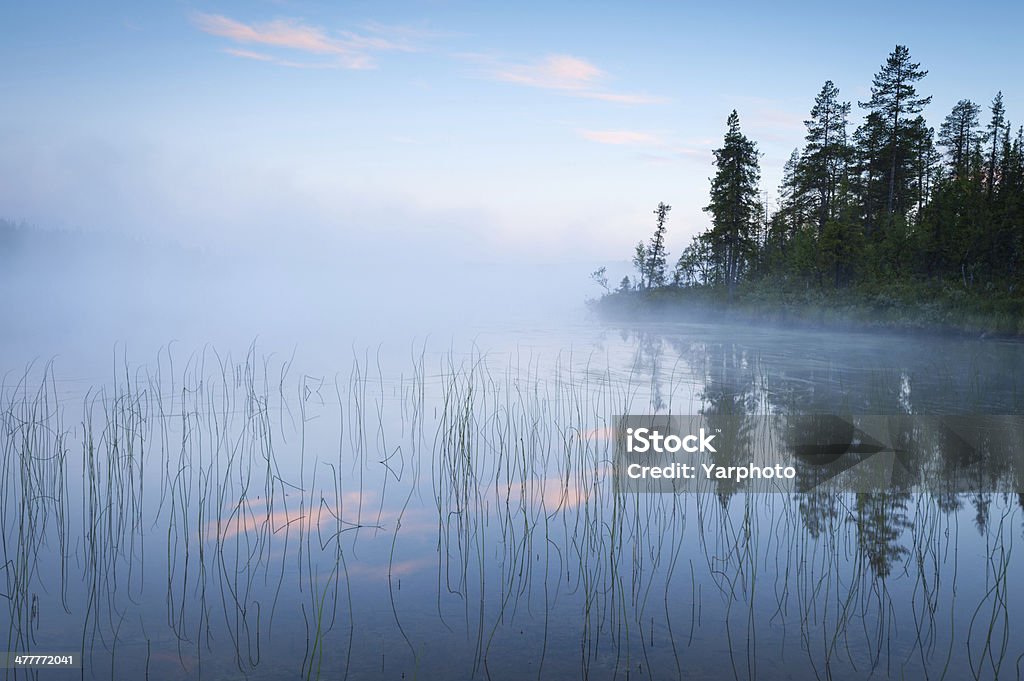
<point x="922" y="308"/>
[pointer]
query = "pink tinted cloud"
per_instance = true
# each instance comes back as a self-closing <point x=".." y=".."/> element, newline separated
<point x="346" y="49"/>
<point x="353" y="62"/>
<point x="557" y="72"/>
<point x="569" y="75"/>
<point x="287" y="33"/>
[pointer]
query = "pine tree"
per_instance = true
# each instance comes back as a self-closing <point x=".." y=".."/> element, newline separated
<point x="1006" y="209"/>
<point x="957" y="134"/>
<point x="656" y="254"/>
<point x="894" y="101"/>
<point x="926" y="163"/>
<point x="1012" y="190"/>
<point x="994" y="137"/>
<point x="839" y="246"/>
<point x="694" y="264"/>
<point x="871" y="168"/>
<point x="640" y="264"/>
<point x="735" y="209"/>
<point x="827" y="154"/>
<point x="795" y="205"/>
<point x="792" y="231"/>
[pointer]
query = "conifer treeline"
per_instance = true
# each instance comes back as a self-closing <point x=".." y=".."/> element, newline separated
<point x="894" y="201"/>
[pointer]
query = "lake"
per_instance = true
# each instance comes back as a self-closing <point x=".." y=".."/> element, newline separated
<point x="444" y="507"/>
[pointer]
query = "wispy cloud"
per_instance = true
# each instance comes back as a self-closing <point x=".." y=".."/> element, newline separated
<point x="403" y="33"/>
<point x="337" y="49"/>
<point x="557" y="72"/>
<point x="563" y="73"/>
<point x="291" y="63"/>
<point x="619" y="137"/>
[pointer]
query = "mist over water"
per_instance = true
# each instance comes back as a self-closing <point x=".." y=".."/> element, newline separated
<point x="331" y="466"/>
<point x="77" y="296"/>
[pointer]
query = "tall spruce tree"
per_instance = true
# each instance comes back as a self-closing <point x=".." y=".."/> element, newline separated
<point x="795" y="205"/>
<point x="640" y="264"/>
<point x="994" y="138"/>
<point x="791" y="231"/>
<point x="958" y="133"/>
<point x="871" y="165"/>
<point x="1011" y="199"/>
<point x="735" y="208"/>
<point x="895" y="102"/>
<point x="926" y="162"/>
<point x="656" y="254"/>
<point x="824" y="162"/>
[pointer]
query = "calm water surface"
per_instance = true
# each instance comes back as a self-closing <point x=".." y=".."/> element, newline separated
<point x="443" y="508"/>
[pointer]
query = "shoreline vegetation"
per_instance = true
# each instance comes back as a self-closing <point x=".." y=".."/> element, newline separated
<point x="894" y="225"/>
<point x="893" y="309"/>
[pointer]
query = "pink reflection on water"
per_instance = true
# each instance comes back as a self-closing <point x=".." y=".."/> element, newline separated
<point x="552" y="493"/>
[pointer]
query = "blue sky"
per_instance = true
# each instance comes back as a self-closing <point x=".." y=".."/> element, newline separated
<point x="491" y="131"/>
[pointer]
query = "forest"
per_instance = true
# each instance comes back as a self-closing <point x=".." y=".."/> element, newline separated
<point x="892" y="223"/>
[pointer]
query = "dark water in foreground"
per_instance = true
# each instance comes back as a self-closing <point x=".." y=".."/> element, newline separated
<point x="445" y="510"/>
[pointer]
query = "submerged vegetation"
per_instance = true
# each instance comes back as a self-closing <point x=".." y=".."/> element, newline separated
<point x="893" y="224"/>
